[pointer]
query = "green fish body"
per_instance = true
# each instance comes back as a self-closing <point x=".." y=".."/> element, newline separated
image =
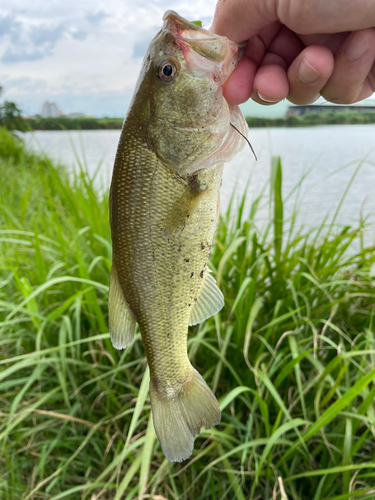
<point x="164" y="204"/>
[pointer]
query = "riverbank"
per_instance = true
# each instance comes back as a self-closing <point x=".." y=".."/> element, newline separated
<point x="308" y="119"/>
<point x="290" y="356"/>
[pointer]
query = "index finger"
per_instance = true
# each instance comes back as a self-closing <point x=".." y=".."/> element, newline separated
<point x="240" y="20"/>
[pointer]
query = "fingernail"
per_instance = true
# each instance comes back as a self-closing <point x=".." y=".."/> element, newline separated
<point x="265" y="99"/>
<point x="357" y="48"/>
<point x="307" y="73"/>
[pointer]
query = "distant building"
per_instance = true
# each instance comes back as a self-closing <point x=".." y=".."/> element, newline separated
<point x="50" y="110"/>
<point x="368" y="105"/>
<point x="76" y="115"/>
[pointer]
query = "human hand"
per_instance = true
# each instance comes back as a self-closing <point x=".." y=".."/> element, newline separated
<point x="300" y="49"/>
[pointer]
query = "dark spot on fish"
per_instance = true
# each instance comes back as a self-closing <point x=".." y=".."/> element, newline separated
<point x="202" y="274"/>
<point x="212" y="220"/>
<point x="186" y="260"/>
<point x="195" y="299"/>
<point x="168" y="335"/>
<point x="179" y="248"/>
<point x="192" y="274"/>
<point x="202" y="246"/>
<point x="189" y="305"/>
<point x="188" y="215"/>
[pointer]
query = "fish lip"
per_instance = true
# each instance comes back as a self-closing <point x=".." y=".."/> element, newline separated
<point x="214" y="48"/>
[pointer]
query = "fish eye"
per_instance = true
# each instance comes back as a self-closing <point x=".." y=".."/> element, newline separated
<point x="167" y="71"/>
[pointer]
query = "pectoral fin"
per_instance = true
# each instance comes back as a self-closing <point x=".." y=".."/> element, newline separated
<point x="209" y="300"/>
<point x="122" y="322"/>
<point x="184" y="208"/>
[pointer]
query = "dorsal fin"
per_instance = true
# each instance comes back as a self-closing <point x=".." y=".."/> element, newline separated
<point x="209" y="300"/>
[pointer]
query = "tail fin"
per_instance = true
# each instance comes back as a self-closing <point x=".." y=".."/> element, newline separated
<point x="179" y="418"/>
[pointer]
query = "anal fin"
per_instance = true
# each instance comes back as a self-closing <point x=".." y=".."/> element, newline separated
<point x="122" y="322"/>
<point x="209" y="300"/>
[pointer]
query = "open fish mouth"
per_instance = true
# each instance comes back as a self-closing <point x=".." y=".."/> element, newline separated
<point x="202" y="48"/>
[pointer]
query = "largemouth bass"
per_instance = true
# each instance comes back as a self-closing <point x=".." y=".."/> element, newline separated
<point x="164" y="203"/>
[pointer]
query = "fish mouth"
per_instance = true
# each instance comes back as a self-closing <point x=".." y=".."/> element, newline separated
<point x="202" y="48"/>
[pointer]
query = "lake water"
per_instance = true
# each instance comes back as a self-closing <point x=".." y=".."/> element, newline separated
<point x="331" y="152"/>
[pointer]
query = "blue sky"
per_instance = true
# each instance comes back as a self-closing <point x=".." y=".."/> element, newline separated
<point x="85" y="56"/>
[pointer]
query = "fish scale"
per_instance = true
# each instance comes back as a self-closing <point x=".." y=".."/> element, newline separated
<point x="152" y="269"/>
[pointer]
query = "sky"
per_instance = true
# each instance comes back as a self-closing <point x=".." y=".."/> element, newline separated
<point x="83" y="55"/>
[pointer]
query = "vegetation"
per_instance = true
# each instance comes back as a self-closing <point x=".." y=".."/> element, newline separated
<point x="65" y="123"/>
<point x="10" y="116"/>
<point x="308" y="119"/>
<point x="291" y="357"/>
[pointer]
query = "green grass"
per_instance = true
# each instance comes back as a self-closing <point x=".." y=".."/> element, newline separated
<point x="291" y="357"/>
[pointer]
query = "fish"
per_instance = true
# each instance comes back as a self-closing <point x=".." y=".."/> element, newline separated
<point x="164" y="205"/>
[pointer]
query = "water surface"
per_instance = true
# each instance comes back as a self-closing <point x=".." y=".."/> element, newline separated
<point x="331" y="152"/>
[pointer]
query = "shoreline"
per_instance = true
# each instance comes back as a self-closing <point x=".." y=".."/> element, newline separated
<point x="305" y="120"/>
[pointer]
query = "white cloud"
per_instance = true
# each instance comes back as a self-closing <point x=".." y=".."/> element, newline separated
<point x="79" y="54"/>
